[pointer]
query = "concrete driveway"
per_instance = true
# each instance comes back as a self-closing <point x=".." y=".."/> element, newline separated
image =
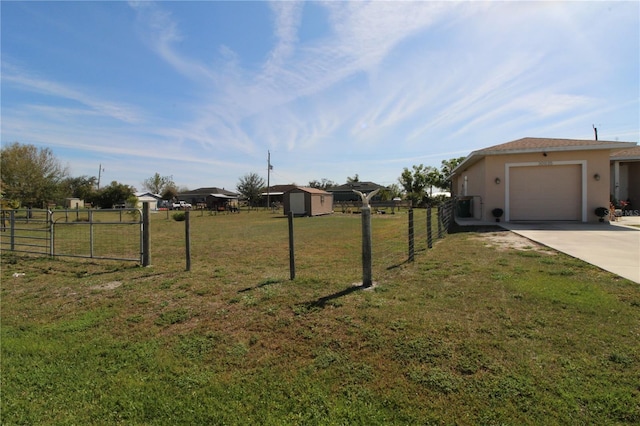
<point x="613" y="247"/>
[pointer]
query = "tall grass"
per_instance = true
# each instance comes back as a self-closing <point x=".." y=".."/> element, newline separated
<point x="466" y="334"/>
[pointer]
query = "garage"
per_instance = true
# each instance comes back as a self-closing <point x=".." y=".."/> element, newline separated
<point x="545" y="192"/>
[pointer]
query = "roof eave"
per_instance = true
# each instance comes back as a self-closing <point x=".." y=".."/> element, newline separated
<point x="478" y="155"/>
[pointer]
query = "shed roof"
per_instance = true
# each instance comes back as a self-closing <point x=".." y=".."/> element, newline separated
<point x="529" y="145"/>
<point x="310" y="190"/>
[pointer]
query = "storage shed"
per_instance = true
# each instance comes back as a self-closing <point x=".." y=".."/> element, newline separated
<point x="303" y="201"/>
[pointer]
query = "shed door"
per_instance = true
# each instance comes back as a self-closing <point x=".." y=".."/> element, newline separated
<point x="296" y="200"/>
<point x="545" y="192"/>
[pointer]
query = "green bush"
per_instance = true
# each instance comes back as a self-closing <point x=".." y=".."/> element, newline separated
<point x="178" y="216"/>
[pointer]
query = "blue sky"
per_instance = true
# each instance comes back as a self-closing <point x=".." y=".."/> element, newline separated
<point x="202" y="90"/>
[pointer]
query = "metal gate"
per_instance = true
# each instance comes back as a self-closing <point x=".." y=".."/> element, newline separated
<point x="26" y="231"/>
<point x="115" y="234"/>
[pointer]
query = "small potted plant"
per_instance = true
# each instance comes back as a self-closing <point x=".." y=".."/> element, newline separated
<point x="497" y="213"/>
<point x="601" y="212"/>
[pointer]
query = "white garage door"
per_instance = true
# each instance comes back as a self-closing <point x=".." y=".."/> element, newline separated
<point x="545" y="192"/>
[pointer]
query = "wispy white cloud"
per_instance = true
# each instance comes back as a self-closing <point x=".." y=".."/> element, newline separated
<point x="387" y="83"/>
<point x="116" y="110"/>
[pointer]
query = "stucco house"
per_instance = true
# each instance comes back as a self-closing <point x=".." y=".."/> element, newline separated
<point x="303" y="201"/>
<point x="536" y="179"/>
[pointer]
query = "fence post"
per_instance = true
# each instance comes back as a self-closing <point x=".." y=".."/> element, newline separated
<point x="50" y="223"/>
<point x="411" y="246"/>
<point x="366" y="246"/>
<point x="146" y="241"/>
<point x="292" y="261"/>
<point x="187" y="239"/>
<point x="91" y="233"/>
<point x="440" y="233"/>
<point x="429" y="232"/>
<point x="12" y="223"/>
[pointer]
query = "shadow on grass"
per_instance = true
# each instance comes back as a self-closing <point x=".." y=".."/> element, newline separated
<point x="456" y="229"/>
<point x="322" y="302"/>
<point x="268" y="281"/>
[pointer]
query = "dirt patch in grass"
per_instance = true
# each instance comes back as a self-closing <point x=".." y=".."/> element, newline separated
<point x="506" y="240"/>
<point x="107" y="286"/>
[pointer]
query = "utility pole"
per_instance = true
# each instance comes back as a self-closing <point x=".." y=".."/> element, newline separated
<point x="99" y="174"/>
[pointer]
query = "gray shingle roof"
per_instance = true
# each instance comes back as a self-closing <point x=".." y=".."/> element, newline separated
<point x="528" y="145"/>
<point x="627" y="154"/>
<point x="540" y="144"/>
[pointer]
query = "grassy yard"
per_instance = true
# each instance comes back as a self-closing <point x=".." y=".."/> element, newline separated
<point x="470" y="333"/>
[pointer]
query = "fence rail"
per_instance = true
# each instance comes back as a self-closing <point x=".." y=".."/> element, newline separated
<point x="26" y="231"/>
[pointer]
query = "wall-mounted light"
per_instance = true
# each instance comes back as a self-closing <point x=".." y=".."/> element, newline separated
<point x="497" y="181"/>
<point x="544" y="154"/>
<point x="596" y="176"/>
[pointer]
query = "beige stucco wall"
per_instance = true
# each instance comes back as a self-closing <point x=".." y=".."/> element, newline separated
<point x="488" y="195"/>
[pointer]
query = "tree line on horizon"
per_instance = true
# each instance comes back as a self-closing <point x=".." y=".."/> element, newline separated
<point x="34" y="177"/>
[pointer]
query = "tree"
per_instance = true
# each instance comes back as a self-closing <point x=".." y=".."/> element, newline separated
<point x="353" y="179"/>
<point x="157" y="184"/>
<point x="29" y="174"/>
<point x="414" y="182"/>
<point x="390" y="192"/>
<point x="170" y="193"/>
<point x="442" y="181"/>
<point x="115" y="193"/>
<point x="250" y="186"/>
<point x="82" y="187"/>
<point x="324" y="184"/>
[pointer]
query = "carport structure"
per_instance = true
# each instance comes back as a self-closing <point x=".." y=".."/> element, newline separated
<point x="537" y="179"/>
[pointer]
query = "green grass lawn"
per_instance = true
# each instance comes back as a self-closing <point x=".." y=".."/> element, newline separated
<point x="469" y="333"/>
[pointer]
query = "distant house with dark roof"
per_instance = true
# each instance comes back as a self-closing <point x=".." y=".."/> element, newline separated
<point x="275" y="194"/>
<point x="210" y="198"/>
<point x="536" y="179"/>
<point x="344" y="193"/>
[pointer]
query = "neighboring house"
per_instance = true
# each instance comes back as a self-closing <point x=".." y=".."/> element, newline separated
<point x="147" y="197"/>
<point x="210" y="198"/>
<point x="303" y="201"/>
<point x="536" y="179"/>
<point x="344" y="193"/>
<point x="275" y="194"/>
<point x="625" y="176"/>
